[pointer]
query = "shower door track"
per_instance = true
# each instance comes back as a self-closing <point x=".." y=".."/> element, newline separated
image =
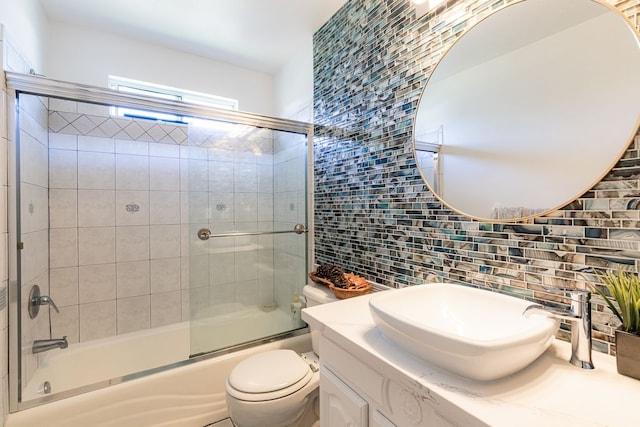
<point x="43" y="86"/>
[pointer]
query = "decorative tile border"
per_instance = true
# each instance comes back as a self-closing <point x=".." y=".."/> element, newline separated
<point x="375" y="215"/>
<point x="242" y="138"/>
<point x="112" y="127"/>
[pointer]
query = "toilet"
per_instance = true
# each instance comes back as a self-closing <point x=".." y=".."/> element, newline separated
<point x="279" y="387"/>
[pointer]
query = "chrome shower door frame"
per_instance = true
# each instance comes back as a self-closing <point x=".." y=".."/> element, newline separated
<point x="41" y="86"/>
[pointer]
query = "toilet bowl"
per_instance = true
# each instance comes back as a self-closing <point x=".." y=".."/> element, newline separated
<point x="278" y="387"/>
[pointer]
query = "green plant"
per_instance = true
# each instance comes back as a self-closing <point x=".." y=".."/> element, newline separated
<point x="624" y="288"/>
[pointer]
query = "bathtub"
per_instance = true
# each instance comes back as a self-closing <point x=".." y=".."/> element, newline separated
<point x="108" y="358"/>
<point x="191" y="394"/>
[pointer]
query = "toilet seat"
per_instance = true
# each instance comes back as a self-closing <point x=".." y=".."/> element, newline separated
<point x="269" y="375"/>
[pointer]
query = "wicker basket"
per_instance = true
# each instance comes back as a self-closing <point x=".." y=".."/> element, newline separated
<point x="319" y="280"/>
<point x="363" y="287"/>
<point x="349" y="293"/>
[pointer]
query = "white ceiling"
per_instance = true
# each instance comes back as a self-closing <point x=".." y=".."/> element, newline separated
<point x="257" y="34"/>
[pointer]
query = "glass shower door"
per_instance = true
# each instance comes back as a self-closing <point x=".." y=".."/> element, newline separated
<point x="247" y="240"/>
<point x="104" y="218"/>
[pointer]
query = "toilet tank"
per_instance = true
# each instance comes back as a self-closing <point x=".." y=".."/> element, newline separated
<point x="316" y="295"/>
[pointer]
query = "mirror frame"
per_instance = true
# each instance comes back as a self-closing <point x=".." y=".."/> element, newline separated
<point x="542" y="212"/>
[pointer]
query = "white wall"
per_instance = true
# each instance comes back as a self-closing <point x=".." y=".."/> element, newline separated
<point x="294" y="85"/>
<point x="25" y="22"/>
<point x="85" y="55"/>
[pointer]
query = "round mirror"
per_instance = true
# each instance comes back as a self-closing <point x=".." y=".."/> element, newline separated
<point x="529" y="108"/>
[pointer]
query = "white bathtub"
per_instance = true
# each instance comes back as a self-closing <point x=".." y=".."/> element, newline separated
<point x="104" y="359"/>
<point x="189" y="395"/>
<point x="115" y="357"/>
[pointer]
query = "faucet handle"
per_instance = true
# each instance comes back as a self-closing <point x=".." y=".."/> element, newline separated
<point x="36" y="300"/>
<point x="45" y="299"/>
<point x="580" y="295"/>
<point x="557" y="313"/>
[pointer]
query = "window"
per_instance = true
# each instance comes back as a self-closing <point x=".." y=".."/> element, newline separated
<point x="136" y="87"/>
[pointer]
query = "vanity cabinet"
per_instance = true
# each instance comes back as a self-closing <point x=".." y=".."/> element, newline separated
<point x="379" y="420"/>
<point x="366" y="380"/>
<point x="359" y="393"/>
<point x="339" y="404"/>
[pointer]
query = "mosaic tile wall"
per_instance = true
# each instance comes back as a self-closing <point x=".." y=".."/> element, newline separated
<point x="373" y="213"/>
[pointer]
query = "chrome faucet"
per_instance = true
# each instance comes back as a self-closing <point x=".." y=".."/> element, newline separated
<point x="45" y="345"/>
<point x="579" y="314"/>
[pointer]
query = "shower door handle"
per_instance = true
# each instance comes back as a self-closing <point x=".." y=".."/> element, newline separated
<point x="205" y="233"/>
<point x="300" y="229"/>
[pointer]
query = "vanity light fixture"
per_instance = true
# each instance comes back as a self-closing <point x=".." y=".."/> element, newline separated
<point x="424" y="6"/>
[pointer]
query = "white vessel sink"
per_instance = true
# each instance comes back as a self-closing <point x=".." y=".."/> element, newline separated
<point x="475" y="333"/>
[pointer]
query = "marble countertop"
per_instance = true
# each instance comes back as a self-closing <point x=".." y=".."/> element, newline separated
<point x="549" y="392"/>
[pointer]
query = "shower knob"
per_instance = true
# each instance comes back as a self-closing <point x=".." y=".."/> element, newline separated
<point x="36" y="300"/>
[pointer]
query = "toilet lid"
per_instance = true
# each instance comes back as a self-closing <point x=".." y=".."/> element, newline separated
<point x="269" y="371"/>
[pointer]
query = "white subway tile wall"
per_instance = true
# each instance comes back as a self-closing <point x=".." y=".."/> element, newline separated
<point x="97" y="320"/>
<point x="127" y="233"/>
<point x="125" y="211"/>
